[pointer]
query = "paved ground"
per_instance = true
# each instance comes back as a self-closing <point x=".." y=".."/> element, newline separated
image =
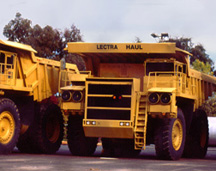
<point x="63" y="160"/>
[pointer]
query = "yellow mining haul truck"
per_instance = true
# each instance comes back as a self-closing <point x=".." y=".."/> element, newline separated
<point x="29" y="113"/>
<point x="139" y="94"/>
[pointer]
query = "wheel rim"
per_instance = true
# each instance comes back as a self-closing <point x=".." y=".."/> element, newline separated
<point x="177" y="134"/>
<point x="52" y="129"/>
<point x="7" y="127"/>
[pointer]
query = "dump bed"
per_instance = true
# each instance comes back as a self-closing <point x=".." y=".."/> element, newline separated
<point x="100" y="57"/>
<point x="22" y="71"/>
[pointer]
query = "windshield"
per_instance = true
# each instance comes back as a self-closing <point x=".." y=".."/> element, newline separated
<point x="159" y="67"/>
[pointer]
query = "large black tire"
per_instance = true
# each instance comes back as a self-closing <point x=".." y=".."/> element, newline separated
<point x="9" y="125"/>
<point x="126" y="148"/>
<point x="108" y="147"/>
<point x="26" y="144"/>
<point x="78" y="143"/>
<point x="197" y="140"/>
<point x="45" y="135"/>
<point x="49" y="129"/>
<point x="170" y="138"/>
<point x="119" y="147"/>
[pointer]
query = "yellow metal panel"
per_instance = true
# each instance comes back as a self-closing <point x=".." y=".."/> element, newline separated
<point x="72" y="105"/>
<point x="202" y="76"/>
<point x="77" y="77"/>
<point x="159" y="108"/>
<point x="81" y="47"/>
<point x="76" y="88"/>
<point x="158" y="89"/>
<point x="8" y="87"/>
<point x="111" y="132"/>
<point x="108" y="129"/>
<point x="18" y="45"/>
<point x="183" y="51"/>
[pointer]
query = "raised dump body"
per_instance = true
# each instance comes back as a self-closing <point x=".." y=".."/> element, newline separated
<point x="141" y="93"/>
<point x="28" y="107"/>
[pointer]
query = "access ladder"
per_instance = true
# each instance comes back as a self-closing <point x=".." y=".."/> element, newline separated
<point x="140" y="121"/>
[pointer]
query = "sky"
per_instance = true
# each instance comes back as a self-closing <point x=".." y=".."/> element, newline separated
<point x="121" y="20"/>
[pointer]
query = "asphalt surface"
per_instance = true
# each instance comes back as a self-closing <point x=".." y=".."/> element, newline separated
<point x="63" y="160"/>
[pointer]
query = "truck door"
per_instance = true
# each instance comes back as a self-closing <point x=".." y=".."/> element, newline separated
<point x="182" y="77"/>
<point x="7" y="68"/>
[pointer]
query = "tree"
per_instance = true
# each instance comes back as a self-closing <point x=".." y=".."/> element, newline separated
<point x="198" y="51"/>
<point x="202" y="67"/>
<point x="201" y="62"/>
<point x="182" y="43"/>
<point x="47" y="41"/>
<point x="210" y="105"/>
<point x="18" y="29"/>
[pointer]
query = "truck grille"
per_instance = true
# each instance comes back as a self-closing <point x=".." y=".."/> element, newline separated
<point x="108" y="99"/>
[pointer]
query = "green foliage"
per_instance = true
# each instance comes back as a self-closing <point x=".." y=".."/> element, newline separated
<point x="202" y="67"/>
<point x="47" y="41"/>
<point x="18" y="29"/>
<point x="210" y="105"/>
<point x="198" y="51"/>
<point x="182" y="43"/>
<point x="201" y="62"/>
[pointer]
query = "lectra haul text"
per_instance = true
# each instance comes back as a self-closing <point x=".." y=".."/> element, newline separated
<point x="111" y="46"/>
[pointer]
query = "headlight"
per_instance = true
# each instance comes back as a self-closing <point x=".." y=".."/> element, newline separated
<point x="77" y="96"/>
<point x="66" y="95"/>
<point x="153" y="98"/>
<point x="165" y="98"/>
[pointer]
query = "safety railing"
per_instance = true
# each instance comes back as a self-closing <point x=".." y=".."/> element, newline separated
<point x="176" y="80"/>
<point x="68" y="77"/>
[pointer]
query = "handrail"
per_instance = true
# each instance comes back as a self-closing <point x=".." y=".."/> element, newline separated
<point x="174" y="80"/>
<point x="67" y="77"/>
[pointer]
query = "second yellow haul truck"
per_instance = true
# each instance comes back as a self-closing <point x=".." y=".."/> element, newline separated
<point x="30" y="117"/>
<point x="138" y="94"/>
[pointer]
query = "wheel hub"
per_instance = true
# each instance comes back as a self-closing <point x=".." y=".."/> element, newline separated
<point x="177" y="134"/>
<point x="7" y="127"/>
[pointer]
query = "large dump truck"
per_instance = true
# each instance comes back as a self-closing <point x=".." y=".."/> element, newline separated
<point x="30" y="116"/>
<point x="139" y="94"/>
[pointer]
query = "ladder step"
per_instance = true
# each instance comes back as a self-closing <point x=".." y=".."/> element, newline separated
<point x="140" y="127"/>
<point x="140" y="130"/>
<point x="139" y="141"/>
<point x="139" y="138"/>
<point x="141" y="119"/>
<point x="141" y="114"/>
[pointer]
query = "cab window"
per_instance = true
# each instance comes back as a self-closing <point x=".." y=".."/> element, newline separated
<point x="2" y="62"/>
<point x="10" y="62"/>
<point x="159" y="67"/>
